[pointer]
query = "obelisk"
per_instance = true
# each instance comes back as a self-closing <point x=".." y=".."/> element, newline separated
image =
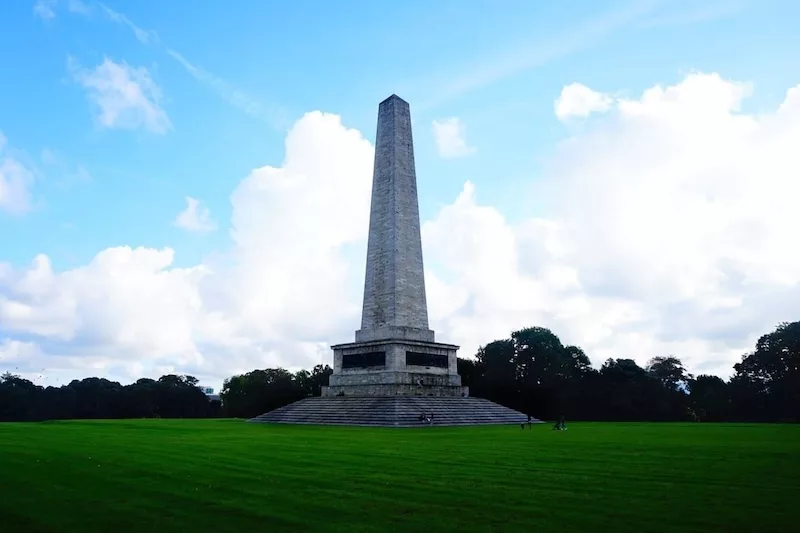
<point x="394" y="286"/>
<point x="394" y="352"/>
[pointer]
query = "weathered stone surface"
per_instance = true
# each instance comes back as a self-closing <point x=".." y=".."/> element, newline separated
<point x="394" y="411"/>
<point x="395" y="376"/>
<point x="395" y="304"/>
<point x="394" y="332"/>
<point x="394" y="318"/>
<point x="396" y="354"/>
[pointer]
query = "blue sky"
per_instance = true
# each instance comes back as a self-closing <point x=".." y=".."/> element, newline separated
<point x="498" y="66"/>
<point x="231" y="79"/>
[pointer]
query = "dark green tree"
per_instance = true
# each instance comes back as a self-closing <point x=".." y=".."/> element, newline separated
<point x="260" y="391"/>
<point x="766" y="383"/>
<point x="669" y="371"/>
<point x="710" y="398"/>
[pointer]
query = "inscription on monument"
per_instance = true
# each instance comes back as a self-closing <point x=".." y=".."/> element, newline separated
<point x="364" y="360"/>
<point x="426" y="359"/>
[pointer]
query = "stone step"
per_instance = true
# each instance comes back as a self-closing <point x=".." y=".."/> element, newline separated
<point x="393" y="411"/>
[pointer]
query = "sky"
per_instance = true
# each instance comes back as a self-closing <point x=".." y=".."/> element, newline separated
<point x="184" y="187"/>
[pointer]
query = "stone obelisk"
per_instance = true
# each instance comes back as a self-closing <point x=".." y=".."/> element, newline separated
<point x="394" y="288"/>
<point x="394" y="352"/>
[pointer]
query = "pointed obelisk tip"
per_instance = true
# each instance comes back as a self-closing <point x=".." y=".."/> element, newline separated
<point x="393" y="99"/>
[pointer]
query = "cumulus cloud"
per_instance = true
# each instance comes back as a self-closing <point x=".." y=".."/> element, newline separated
<point x="125" y="97"/>
<point x="450" y="138"/>
<point x="578" y="100"/>
<point x="127" y="305"/>
<point x="669" y="231"/>
<point x="16" y="181"/>
<point x="292" y="228"/>
<point x="278" y="296"/>
<point x="195" y="217"/>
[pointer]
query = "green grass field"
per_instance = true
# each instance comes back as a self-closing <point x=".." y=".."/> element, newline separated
<point x="225" y="475"/>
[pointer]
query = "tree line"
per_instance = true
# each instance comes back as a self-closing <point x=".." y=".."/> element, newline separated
<point x="532" y="371"/>
<point x="169" y="396"/>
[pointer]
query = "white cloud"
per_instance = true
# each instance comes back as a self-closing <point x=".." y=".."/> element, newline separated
<point x="130" y="311"/>
<point x="668" y="233"/>
<point x="45" y="9"/>
<point x="195" y="217"/>
<point x="16" y="181"/>
<point x="273" y="115"/>
<point x="291" y="229"/>
<point x="671" y="230"/>
<point x="127" y="304"/>
<point x="450" y="138"/>
<point x="577" y="100"/>
<point x="126" y="97"/>
<point x="144" y="36"/>
<point x="15" y="351"/>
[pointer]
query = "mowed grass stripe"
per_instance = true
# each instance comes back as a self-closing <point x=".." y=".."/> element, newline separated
<point x="225" y="475"/>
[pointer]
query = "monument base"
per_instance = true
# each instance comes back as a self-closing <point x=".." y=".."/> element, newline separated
<point x="394" y="411"/>
<point x="395" y="367"/>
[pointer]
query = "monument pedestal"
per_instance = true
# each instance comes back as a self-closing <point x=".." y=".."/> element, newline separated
<point x="395" y="367"/>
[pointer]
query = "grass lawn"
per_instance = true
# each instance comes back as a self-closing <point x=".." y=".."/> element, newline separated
<point x="225" y="475"/>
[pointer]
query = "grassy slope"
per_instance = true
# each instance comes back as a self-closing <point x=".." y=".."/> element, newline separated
<point x="224" y="475"/>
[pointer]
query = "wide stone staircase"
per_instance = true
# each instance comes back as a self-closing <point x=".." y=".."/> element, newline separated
<point x="393" y="411"/>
